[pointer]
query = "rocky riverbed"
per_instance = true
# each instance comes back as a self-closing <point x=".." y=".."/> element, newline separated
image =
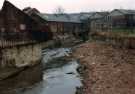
<point x="106" y="69"/>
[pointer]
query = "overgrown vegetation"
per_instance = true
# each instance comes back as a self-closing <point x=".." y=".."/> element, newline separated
<point x="125" y="31"/>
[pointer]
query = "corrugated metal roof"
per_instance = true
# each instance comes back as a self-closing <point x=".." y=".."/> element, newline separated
<point x="73" y="17"/>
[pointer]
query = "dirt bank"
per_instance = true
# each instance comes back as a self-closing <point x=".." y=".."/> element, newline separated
<point x="109" y="70"/>
<point x="23" y="78"/>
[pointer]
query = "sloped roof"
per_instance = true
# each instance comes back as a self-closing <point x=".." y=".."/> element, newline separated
<point x="29" y="10"/>
<point x="97" y="15"/>
<point x="124" y="11"/>
<point x="10" y="5"/>
<point x="118" y="12"/>
<point x="103" y="13"/>
<point x="7" y="6"/>
<point x="72" y="17"/>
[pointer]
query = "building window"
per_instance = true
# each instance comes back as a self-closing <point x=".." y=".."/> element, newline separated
<point x="22" y="27"/>
<point x="2" y="29"/>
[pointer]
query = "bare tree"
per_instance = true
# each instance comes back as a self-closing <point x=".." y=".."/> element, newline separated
<point x="59" y="10"/>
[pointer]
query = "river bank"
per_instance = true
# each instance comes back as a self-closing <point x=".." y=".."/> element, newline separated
<point x="106" y="69"/>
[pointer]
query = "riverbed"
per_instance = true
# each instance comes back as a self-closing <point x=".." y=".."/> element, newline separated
<point x="60" y="74"/>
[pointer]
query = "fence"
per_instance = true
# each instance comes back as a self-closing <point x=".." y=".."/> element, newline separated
<point x="7" y="43"/>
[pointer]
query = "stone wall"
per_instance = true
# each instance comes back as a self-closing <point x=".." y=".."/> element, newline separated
<point x="23" y="55"/>
<point x="20" y="56"/>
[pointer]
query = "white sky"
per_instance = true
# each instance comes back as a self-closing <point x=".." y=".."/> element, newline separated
<point x="49" y="6"/>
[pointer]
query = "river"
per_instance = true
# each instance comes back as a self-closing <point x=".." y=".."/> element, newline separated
<point x="60" y="75"/>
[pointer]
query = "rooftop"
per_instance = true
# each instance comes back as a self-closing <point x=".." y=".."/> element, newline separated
<point x="71" y="17"/>
<point x="126" y="11"/>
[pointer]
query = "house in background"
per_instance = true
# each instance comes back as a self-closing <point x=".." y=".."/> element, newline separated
<point x="65" y="23"/>
<point x="31" y="24"/>
<point x="97" y="21"/>
<point x="62" y="23"/>
<point x="72" y="23"/>
<point x="121" y="20"/>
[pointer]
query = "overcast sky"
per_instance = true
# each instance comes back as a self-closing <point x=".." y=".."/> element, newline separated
<point x="48" y="6"/>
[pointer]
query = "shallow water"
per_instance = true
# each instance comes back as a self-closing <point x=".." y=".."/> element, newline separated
<point x="55" y="53"/>
<point x="60" y="80"/>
